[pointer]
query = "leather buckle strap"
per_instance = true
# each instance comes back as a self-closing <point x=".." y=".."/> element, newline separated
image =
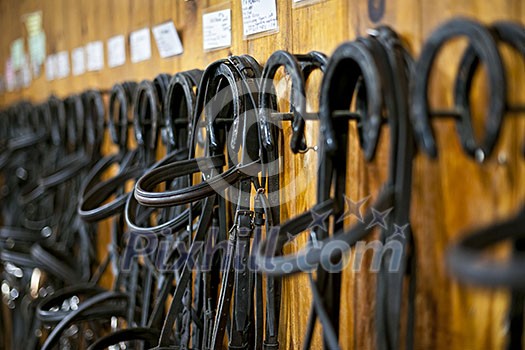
<point x="234" y="74"/>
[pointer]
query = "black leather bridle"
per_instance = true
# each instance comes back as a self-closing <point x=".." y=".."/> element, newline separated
<point x="369" y="68"/>
<point x="465" y="258"/>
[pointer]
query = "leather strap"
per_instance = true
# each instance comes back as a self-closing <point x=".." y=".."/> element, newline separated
<point x="483" y="42"/>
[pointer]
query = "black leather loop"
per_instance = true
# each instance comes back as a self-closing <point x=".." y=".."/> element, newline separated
<point x="298" y="67"/>
<point x="117" y="307"/>
<point x="95" y="112"/>
<point x="44" y="310"/>
<point x="179" y="106"/>
<point x="146" y="107"/>
<point x="482" y="41"/>
<point x="55" y="262"/>
<point x="467" y="259"/>
<point x="354" y="61"/>
<point x="55" y="112"/>
<point x="192" y="193"/>
<point x="119" y="120"/>
<point x="74" y="110"/>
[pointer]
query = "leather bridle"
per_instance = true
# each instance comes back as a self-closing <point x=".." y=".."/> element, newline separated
<point x="465" y="259"/>
<point x="368" y="68"/>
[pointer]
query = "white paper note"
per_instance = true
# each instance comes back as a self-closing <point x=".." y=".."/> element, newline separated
<point x="25" y="72"/>
<point x="116" y="51"/>
<point x="51" y="67"/>
<point x="62" y="64"/>
<point x="10" y="76"/>
<point x="33" y="22"/>
<point x="167" y="39"/>
<point x="217" y="29"/>
<point x="140" y="45"/>
<point x="95" y="56"/>
<point x="78" y="61"/>
<point x="17" y="53"/>
<point x="37" y="48"/>
<point x="258" y="16"/>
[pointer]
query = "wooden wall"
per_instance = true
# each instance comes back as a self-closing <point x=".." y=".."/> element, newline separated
<point x="450" y="195"/>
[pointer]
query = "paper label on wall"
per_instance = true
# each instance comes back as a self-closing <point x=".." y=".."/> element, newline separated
<point x="37" y="50"/>
<point x="78" y="61"/>
<point x="95" y="56"/>
<point x="62" y="64"/>
<point x="217" y="29"/>
<point x="140" y="45"/>
<point x="51" y="67"/>
<point x="17" y="53"/>
<point x="258" y="16"/>
<point x="25" y="73"/>
<point x="10" y="77"/>
<point x="167" y="39"/>
<point x="116" y="51"/>
<point x="33" y="22"/>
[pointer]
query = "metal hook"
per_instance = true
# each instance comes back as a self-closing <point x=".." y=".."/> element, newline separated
<point x="309" y="148"/>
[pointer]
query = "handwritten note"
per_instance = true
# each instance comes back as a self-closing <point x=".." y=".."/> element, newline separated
<point x="259" y="16"/>
<point x="167" y="39"/>
<point x="217" y="29"/>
